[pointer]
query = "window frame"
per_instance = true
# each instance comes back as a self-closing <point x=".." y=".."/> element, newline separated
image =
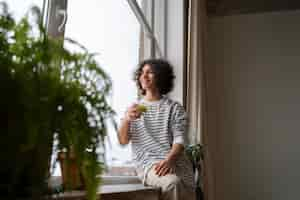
<point x="165" y="23"/>
<point x="168" y="21"/>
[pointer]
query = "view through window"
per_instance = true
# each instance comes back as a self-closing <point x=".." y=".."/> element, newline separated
<point x="21" y="8"/>
<point x="110" y="29"/>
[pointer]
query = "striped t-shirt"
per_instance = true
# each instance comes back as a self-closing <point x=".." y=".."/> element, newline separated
<point x="153" y="134"/>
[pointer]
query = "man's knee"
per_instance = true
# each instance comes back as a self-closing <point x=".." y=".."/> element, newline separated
<point x="171" y="182"/>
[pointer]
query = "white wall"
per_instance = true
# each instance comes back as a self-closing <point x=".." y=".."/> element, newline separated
<point x="257" y="62"/>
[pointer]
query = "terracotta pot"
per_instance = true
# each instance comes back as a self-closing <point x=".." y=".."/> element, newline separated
<point x="71" y="177"/>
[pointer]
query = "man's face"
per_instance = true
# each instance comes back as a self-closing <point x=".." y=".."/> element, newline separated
<point x="147" y="78"/>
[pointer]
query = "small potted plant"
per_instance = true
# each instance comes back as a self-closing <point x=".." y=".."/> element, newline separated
<point x="50" y="94"/>
<point x="195" y="153"/>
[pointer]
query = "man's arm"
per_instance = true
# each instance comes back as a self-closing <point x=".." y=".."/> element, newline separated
<point x="178" y="130"/>
<point x="131" y="114"/>
<point x="123" y="133"/>
<point x="176" y="150"/>
<point x="165" y="166"/>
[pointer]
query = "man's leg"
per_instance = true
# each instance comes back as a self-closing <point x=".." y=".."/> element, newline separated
<point x="171" y="186"/>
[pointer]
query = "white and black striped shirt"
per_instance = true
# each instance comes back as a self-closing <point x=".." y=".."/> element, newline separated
<point x="153" y="134"/>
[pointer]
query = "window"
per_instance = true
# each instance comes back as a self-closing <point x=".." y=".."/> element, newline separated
<point x="111" y="29"/>
<point x="20" y="8"/>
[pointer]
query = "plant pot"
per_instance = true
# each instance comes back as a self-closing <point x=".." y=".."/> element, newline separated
<point x="72" y="178"/>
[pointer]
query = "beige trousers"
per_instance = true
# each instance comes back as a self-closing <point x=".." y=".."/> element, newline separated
<point x="171" y="186"/>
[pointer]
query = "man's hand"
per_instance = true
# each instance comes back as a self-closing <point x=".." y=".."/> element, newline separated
<point x="167" y="165"/>
<point x="132" y="113"/>
<point x="164" y="167"/>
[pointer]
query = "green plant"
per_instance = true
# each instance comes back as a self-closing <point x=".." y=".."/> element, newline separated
<point x="195" y="153"/>
<point x="48" y="94"/>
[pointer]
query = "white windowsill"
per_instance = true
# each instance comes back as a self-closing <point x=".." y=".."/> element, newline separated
<point x="114" y="187"/>
<point x="113" y="180"/>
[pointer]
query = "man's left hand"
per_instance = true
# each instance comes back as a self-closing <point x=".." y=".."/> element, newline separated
<point x="164" y="167"/>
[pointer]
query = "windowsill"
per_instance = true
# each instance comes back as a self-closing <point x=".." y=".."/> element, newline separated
<point x="116" y="180"/>
<point x="105" y="180"/>
<point x="116" y="187"/>
<point x="121" y="191"/>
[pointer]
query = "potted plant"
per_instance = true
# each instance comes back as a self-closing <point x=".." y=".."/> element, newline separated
<point x="48" y="94"/>
<point x="195" y="153"/>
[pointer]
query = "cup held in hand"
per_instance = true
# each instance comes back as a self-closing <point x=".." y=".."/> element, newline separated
<point x="141" y="108"/>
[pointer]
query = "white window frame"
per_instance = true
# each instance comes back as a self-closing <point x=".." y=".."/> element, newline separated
<point x="56" y="17"/>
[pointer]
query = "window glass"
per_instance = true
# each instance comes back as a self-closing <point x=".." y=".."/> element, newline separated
<point x="20" y="8"/>
<point x="110" y="29"/>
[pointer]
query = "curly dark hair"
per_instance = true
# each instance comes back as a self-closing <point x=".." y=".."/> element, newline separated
<point x="163" y="75"/>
